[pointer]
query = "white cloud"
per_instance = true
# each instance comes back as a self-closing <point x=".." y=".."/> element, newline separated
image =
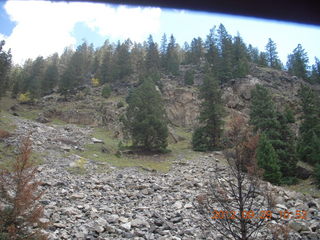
<point x="43" y="28"/>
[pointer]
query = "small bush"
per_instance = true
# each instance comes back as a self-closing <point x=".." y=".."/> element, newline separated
<point x="95" y="82"/>
<point x="80" y="95"/>
<point x="189" y="77"/>
<point x="20" y="211"/>
<point x="24" y="97"/>
<point x="120" y="104"/>
<point x="4" y="134"/>
<point x="106" y="91"/>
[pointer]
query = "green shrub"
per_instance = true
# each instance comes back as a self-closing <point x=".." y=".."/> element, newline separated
<point x="106" y="91"/>
<point x="189" y="77"/>
<point x="200" y="140"/>
<point x="120" y="104"/>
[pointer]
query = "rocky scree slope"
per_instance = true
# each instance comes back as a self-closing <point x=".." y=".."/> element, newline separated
<point x="133" y="204"/>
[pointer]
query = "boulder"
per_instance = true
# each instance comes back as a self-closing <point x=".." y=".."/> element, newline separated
<point x="303" y="173"/>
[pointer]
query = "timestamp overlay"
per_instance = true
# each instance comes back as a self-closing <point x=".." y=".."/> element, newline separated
<point x="261" y="214"/>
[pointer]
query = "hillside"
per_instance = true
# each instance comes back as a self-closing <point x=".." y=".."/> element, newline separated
<point x="96" y="190"/>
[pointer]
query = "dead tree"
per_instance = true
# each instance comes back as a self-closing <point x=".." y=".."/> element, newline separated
<point x="20" y="210"/>
<point x="230" y="206"/>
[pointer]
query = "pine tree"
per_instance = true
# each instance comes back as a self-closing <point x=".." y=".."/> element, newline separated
<point x="268" y="160"/>
<point x="196" y="51"/>
<point x="285" y="147"/>
<point x="275" y="125"/>
<point x="310" y="127"/>
<point x="262" y="113"/>
<point x="152" y="61"/>
<point x="212" y="51"/>
<point x="5" y="65"/>
<point x="189" y="77"/>
<point x="315" y="72"/>
<point x="253" y="54"/>
<point x="298" y="63"/>
<point x="105" y="68"/>
<point x="225" y="52"/>
<point x="36" y="77"/>
<point x="16" y="77"/>
<point x="137" y="58"/>
<point x="207" y="136"/>
<point x="122" y="63"/>
<point x="145" y="118"/>
<point x="239" y="58"/>
<point x="272" y="55"/>
<point x="263" y="62"/>
<point x="163" y="50"/>
<point x="172" y="58"/>
<point x="51" y="75"/>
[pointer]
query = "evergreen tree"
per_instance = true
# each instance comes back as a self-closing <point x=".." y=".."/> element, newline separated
<point x="225" y="52"/>
<point x="298" y="63"/>
<point x="122" y="63"/>
<point x="137" y="58"/>
<point x="268" y="160"/>
<point x="196" y="50"/>
<point x="51" y="75"/>
<point x="315" y="72"/>
<point x="275" y="125"/>
<point x="239" y="58"/>
<point x="207" y="136"/>
<point x="16" y="77"/>
<point x="187" y="53"/>
<point x="36" y="76"/>
<point x="253" y="54"/>
<point x="106" y="67"/>
<point x="70" y="77"/>
<point x="163" y="50"/>
<point x="263" y="62"/>
<point x="5" y="65"/>
<point x="189" y="77"/>
<point x="262" y="113"/>
<point x="152" y="61"/>
<point x="145" y="118"/>
<point x="286" y="149"/>
<point x="272" y="55"/>
<point x="310" y="127"/>
<point x="172" y="58"/>
<point x="212" y="51"/>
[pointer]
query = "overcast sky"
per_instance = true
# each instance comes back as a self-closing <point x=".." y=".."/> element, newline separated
<point x="33" y="28"/>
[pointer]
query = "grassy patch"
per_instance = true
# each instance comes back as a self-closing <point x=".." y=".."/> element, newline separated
<point x="6" y="122"/>
<point x="30" y="114"/>
<point x="8" y="154"/>
<point x="57" y="121"/>
<point x="306" y="187"/>
<point x="6" y="102"/>
<point x="94" y="152"/>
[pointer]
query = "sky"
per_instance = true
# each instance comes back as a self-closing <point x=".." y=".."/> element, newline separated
<point x="34" y="28"/>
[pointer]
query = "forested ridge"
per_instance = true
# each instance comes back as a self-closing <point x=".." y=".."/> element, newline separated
<point x="246" y="123"/>
<point x="228" y="57"/>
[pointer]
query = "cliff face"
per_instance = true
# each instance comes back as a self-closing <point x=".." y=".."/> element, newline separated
<point x="283" y="88"/>
<point x="182" y="103"/>
<point x="183" y="106"/>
